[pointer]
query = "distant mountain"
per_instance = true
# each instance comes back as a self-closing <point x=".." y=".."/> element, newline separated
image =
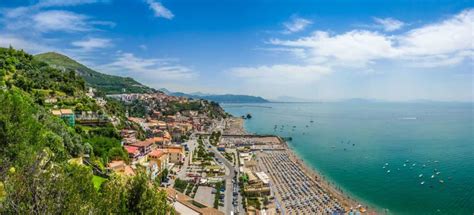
<point x="227" y="98"/>
<point x="166" y="91"/>
<point x="201" y="94"/>
<point x="109" y="84"/>
<point x="291" y="99"/>
<point x="360" y="100"/>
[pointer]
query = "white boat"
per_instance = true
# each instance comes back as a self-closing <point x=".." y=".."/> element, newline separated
<point x="441" y="181"/>
<point x="432" y="176"/>
<point x="437" y="173"/>
<point x="423" y="182"/>
<point x="421" y="175"/>
<point x="414" y="164"/>
<point x="388" y="171"/>
<point x="383" y="167"/>
<point x="386" y="164"/>
<point x="404" y="164"/>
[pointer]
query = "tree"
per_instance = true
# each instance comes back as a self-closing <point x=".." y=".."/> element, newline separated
<point x="113" y="196"/>
<point x="143" y="197"/>
<point x="42" y="187"/>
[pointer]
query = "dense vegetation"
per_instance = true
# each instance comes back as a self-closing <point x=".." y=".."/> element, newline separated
<point x="36" y="175"/>
<point x="107" y="83"/>
<point x="137" y="108"/>
<point x="175" y="107"/>
<point x="218" y="187"/>
<point x="214" y="138"/>
<point x="227" y="98"/>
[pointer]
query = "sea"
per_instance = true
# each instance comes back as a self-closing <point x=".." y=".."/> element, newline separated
<point x="397" y="158"/>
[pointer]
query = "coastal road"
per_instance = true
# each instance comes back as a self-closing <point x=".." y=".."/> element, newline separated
<point x="229" y="186"/>
<point x="220" y="126"/>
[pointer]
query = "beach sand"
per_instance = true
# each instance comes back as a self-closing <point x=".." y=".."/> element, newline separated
<point x="235" y="126"/>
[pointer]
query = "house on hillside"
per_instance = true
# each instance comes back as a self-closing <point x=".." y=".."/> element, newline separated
<point x="160" y="157"/>
<point x="67" y="115"/>
<point x="120" y="167"/>
<point x="145" y="146"/>
<point x="176" y="153"/>
<point x="133" y="152"/>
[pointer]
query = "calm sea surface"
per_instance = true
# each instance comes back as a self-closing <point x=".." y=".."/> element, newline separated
<point x="428" y="148"/>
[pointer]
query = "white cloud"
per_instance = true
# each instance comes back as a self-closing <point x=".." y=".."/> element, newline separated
<point x="355" y="48"/>
<point x="92" y="43"/>
<point x="21" y="43"/>
<point x="280" y="73"/>
<point x="448" y="42"/>
<point x="143" y="47"/>
<point x="41" y="18"/>
<point x="298" y="52"/>
<point x="59" y="20"/>
<point x="296" y="24"/>
<point x="389" y="24"/>
<point x="160" y="10"/>
<point x="449" y="36"/>
<point x="148" y="69"/>
<point x="321" y="55"/>
<point x="62" y="3"/>
<point x="279" y="79"/>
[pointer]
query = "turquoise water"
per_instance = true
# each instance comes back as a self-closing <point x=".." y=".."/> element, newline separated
<point x="350" y="143"/>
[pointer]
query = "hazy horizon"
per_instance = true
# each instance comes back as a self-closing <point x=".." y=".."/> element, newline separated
<point x="312" y="50"/>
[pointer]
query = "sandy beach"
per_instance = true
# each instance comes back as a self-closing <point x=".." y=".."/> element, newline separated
<point x="235" y="127"/>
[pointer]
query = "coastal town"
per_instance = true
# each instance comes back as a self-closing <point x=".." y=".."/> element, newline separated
<point x="206" y="162"/>
<point x="170" y="107"/>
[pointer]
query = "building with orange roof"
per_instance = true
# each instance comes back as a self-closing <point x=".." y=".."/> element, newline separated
<point x="145" y="146"/>
<point x="160" y="157"/>
<point x="133" y="152"/>
<point x="176" y="153"/>
<point x="120" y="167"/>
<point x="156" y="114"/>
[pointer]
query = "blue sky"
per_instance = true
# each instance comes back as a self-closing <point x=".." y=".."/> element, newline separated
<point x="321" y="50"/>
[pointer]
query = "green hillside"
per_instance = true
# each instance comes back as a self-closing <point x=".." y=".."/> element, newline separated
<point x="109" y="84"/>
<point x="39" y="168"/>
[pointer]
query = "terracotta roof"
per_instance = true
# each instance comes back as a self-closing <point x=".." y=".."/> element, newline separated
<point x="148" y="141"/>
<point x="115" y="164"/>
<point x="173" y="150"/>
<point x="158" y="139"/>
<point x="157" y="153"/>
<point x="131" y="149"/>
<point x="144" y="143"/>
<point x="136" y="120"/>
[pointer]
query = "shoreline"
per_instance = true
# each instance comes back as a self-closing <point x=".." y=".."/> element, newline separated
<point x="329" y="186"/>
<point x="347" y="201"/>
